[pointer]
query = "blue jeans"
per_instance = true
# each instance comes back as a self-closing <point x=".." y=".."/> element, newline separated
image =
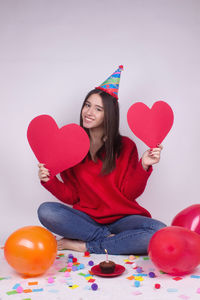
<point x="132" y="233"/>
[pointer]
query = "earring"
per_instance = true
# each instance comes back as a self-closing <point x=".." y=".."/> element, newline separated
<point x="104" y="138"/>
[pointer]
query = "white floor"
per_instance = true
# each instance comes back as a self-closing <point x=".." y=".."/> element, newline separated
<point x="188" y="287"/>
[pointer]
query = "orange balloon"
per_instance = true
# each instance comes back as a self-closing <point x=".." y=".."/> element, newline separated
<point x="31" y="250"/>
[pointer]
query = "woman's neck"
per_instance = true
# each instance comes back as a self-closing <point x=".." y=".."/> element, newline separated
<point x="96" y="141"/>
<point x="96" y="135"/>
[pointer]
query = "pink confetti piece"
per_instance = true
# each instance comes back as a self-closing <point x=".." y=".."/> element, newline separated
<point x="198" y="291"/>
<point x="19" y="289"/>
<point x="50" y="280"/>
<point x="137" y="293"/>
<point x="70" y="264"/>
<point x="184" y="297"/>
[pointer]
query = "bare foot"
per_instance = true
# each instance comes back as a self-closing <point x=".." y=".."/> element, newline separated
<point x="67" y="244"/>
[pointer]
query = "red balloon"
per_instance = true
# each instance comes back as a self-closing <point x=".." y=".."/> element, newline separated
<point x="189" y="218"/>
<point x="175" y="250"/>
<point x="31" y="250"/>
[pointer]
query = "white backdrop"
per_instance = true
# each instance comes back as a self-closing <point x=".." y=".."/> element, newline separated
<point x="53" y="52"/>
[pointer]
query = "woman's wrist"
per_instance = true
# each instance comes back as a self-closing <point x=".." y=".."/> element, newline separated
<point x="145" y="167"/>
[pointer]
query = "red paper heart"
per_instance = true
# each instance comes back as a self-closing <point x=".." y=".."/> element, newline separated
<point x="58" y="149"/>
<point x="150" y="125"/>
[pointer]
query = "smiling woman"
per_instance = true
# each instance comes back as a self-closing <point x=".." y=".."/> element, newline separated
<point x="100" y="118"/>
<point x="93" y="112"/>
<point x="102" y="188"/>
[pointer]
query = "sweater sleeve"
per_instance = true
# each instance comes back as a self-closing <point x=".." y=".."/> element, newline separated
<point x="64" y="191"/>
<point x="133" y="176"/>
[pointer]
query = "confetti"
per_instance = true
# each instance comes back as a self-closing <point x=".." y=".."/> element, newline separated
<point x="81" y="274"/>
<point x="184" y="297"/>
<point x="126" y="260"/>
<point x="33" y="283"/>
<point x="27" y="291"/>
<point x="74" y="259"/>
<point x="177" y="278"/>
<point x="74" y="286"/>
<point x="172" y="290"/>
<point x="19" y="289"/>
<point x="70" y="264"/>
<point x="137" y="293"/>
<point x="157" y="286"/>
<point x="139" y="270"/>
<point x="94" y="287"/>
<point x="16" y="286"/>
<point x="135" y="270"/>
<point x="130" y="277"/>
<point x="91" y="263"/>
<point x="131" y="257"/>
<point x="137" y="283"/>
<point x="152" y="274"/>
<point x="146" y="258"/>
<point x="38" y="290"/>
<point x="88" y="277"/>
<point x="142" y="274"/>
<point x="53" y="291"/>
<point x="11" y="292"/>
<point x="50" y="280"/>
<point x="63" y="270"/>
<point x="139" y="278"/>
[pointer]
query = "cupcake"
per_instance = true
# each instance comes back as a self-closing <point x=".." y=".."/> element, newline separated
<point x="107" y="267"/>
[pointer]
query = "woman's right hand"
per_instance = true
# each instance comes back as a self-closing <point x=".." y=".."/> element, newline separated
<point x="43" y="173"/>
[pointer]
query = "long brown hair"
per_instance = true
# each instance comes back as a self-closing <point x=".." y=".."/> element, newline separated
<point x="112" y="144"/>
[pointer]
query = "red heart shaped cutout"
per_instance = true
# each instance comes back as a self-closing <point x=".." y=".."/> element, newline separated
<point x="58" y="149"/>
<point x="150" y="125"/>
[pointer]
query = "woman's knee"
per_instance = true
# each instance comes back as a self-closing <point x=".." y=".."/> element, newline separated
<point x="161" y="225"/>
<point x="157" y="225"/>
<point x="46" y="211"/>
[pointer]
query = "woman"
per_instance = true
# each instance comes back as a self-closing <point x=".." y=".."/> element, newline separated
<point x="102" y="188"/>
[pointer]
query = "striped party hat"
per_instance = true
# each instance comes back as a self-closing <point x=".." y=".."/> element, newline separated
<point x="111" y="85"/>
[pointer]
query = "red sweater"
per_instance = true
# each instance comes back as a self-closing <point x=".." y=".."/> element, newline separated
<point x="104" y="198"/>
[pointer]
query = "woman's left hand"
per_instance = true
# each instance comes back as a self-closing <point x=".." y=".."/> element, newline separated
<point x="151" y="157"/>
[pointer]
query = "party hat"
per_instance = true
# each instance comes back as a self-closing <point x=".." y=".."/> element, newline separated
<point x="111" y="85"/>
